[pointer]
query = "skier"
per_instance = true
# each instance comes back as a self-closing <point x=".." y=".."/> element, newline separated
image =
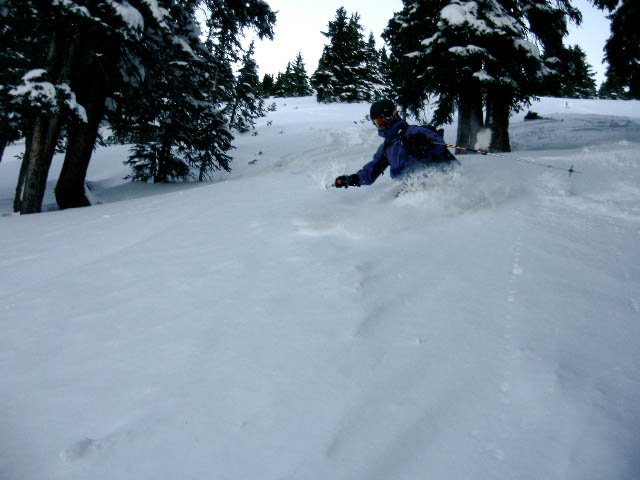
<point x="406" y="148"/>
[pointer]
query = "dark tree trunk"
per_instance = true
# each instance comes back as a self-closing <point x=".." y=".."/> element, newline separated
<point x="3" y="144"/>
<point x="202" y="172"/>
<point x="500" y="105"/>
<point x="164" y="159"/>
<point x="464" y="125"/>
<point x="233" y="113"/>
<point x="70" y="191"/>
<point x="46" y="128"/>
<point x="469" y="117"/>
<point x="43" y="145"/>
<point x="17" y="200"/>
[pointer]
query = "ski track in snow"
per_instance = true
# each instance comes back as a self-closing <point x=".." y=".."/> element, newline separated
<point x="510" y="352"/>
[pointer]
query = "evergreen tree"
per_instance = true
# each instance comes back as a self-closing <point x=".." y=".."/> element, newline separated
<point x="78" y="38"/>
<point x="174" y="119"/>
<point x="268" y="85"/>
<point x="613" y="88"/>
<point x="574" y="77"/>
<point x="22" y="35"/>
<point x="385" y="75"/>
<point x="299" y="79"/>
<point x="405" y="33"/>
<point x="181" y="123"/>
<point x="17" y="37"/>
<point x="374" y="71"/>
<point x="145" y="57"/>
<point x="248" y="104"/>
<point x="279" y="86"/>
<point x="284" y="82"/>
<point x="342" y="74"/>
<point x="96" y="76"/>
<point x="584" y="82"/>
<point x="470" y="53"/>
<point x="622" y="50"/>
<point x="293" y="82"/>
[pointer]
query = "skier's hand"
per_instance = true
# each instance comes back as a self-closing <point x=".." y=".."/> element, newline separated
<point x="344" y="181"/>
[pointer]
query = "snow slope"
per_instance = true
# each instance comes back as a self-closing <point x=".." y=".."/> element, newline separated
<point x="485" y="325"/>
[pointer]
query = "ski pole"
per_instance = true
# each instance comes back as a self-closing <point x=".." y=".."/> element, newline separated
<point x="510" y="157"/>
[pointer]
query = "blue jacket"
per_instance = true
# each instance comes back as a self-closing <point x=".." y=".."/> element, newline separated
<point x="393" y="153"/>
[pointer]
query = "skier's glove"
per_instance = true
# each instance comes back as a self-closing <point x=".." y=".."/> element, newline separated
<point x="345" y="181"/>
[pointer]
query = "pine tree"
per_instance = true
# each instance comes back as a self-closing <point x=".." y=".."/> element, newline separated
<point x="574" y="77"/>
<point x="268" y="85"/>
<point x="22" y="35"/>
<point x="17" y="37"/>
<point x="93" y="79"/>
<point x="342" y="74"/>
<point x="373" y="71"/>
<point x="299" y="79"/>
<point x="470" y="53"/>
<point x="326" y="78"/>
<point x="385" y="75"/>
<point x="612" y="88"/>
<point x="284" y="82"/>
<point x="172" y="113"/>
<point x="75" y="38"/>
<point x="120" y="51"/>
<point x="293" y="82"/>
<point x="179" y="121"/>
<point x="356" y="82"/>
<point x="405" y="32"/>
<point x="247" y="104"/>
<point x="279" y="87"/>
<point x="622" y="50"/>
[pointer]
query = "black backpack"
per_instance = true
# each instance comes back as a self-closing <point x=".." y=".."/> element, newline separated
<point x="419" y="145"/>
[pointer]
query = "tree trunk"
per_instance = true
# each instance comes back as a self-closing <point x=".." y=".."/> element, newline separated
<point x="3" y="143"/>
<point x="469" y="117"/>
<point x="202" y="171"/>
<point x="477" y="122"/>
<point x="43" y="145"/>
<point x="164" y="159"/>
<point x="17" y="200"/>
<point x="488" y="119"/>
<point x="464" y="124"/>
<point x="500" y="110"/>
<point x="46" y="128"/>
<point x="233" y="113"/>
<point x="70" y="191"/>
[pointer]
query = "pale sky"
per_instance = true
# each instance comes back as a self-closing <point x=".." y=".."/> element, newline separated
<point x="299" y="23"/>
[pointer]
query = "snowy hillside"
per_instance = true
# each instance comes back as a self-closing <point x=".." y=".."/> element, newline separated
<point x="262" y="327"/>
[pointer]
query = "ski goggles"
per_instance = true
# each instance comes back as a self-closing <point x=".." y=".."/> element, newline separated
<point x="382" y="123"/>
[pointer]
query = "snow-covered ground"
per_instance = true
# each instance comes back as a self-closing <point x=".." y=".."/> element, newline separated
<point x="262" y="327"/>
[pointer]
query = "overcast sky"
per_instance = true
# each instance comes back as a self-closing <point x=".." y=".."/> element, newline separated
<point x="301" y="21"/>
